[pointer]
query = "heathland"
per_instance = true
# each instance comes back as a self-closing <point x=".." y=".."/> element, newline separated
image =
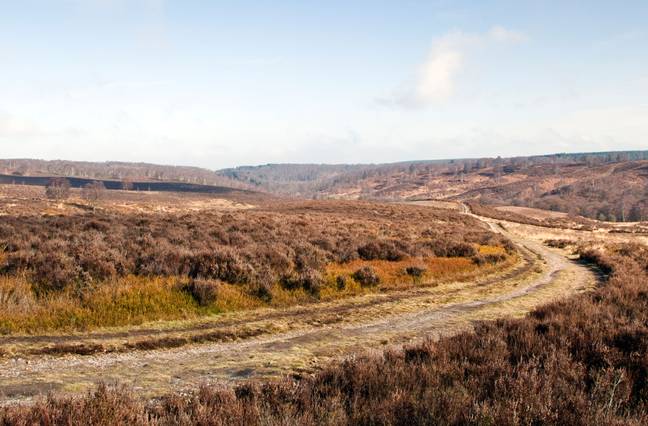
<point x="240" y="307"/>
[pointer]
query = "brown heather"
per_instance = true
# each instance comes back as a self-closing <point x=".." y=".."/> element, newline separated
<point x="581" y="361"/>
<point x="572" y="222"/>
<point x="105" y="269"/>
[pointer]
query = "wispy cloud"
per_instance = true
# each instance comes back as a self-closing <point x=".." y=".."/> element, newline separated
<point x="504" y="35"/>
<point x="435" y="79"/>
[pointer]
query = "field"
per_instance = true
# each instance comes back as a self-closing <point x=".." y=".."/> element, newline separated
<point x="258" y="310"/>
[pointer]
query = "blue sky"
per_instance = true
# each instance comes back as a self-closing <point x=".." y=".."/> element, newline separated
<point x="218" y="84"/>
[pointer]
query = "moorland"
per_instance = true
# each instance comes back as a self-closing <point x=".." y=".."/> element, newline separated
<point x="424" y="293"/>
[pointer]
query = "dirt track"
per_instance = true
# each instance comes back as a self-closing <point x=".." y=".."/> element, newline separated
<point x="301" y="339"/>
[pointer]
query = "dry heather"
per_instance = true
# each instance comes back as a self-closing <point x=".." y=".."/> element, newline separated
<point x="578" y="361"/>
<point x="102" y="268"/>
<point x="579" y="184"/>
<point x="571" y="222"/>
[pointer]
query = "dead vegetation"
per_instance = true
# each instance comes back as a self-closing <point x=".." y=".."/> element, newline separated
<point x="98" y="266"/>
<point x="606" y="186"/>
<point x="571" y="222"/>
<point x="577" y="361"/>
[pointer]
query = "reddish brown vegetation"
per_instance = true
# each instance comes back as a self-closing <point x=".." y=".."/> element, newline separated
<point x="366" y="276"/>
<point x="567" y="223"/>
<point x="609" y="186"/>
<point x="559" y="243"/>
<point x="287" y="244"/>
<point x="203" y="291"/>
<point x="58" y="189"/>
<point x="578" y="361"/>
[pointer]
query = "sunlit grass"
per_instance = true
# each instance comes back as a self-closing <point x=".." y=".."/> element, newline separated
<point x="128" y="301"/>
<point x="134" y="300"/>
<point x="393" y="273"/>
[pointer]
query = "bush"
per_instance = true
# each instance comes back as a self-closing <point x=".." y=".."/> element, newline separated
<point x="341" y="282"/>
<point x="58" y="189"/>
<point x="558" y="243"/>
<point x="309" y="280"/>
<point x="415" y="271"/>
<point x="93" y="191"/>
<point x="597" y="257"/>
<point x="492" y="258"/>
<point x="442" y="247"/>
<point x="262" y="283"/>
<point x="461" y="250"/>
<point x="203" y="291"/>
<point x="380" y="250"/>
<point x="53" y="271"/>
<point x="366" y="277"/>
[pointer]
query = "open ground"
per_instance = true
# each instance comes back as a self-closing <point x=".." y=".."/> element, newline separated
<point x="162" y="357"/>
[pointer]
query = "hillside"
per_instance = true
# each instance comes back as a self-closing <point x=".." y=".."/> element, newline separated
<point x="585" y="184"/>
<point x="116" y="171"/>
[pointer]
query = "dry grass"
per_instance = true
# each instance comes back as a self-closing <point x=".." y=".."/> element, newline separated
<point x="547" y="220"/>
<point x="393" y="274"/>
<point x="135" y="300"/>
<point x="533" y="213"/>
<point x="96" y="269"/>
<point x="577" y="361"/>
<point x="130" y="300"/>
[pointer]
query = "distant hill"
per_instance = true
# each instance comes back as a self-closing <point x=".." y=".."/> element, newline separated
<point x="603" y="185"/>
<point x="158" y="186"/>
<point x="118" y="171"/>
<point x="290" y="179"/>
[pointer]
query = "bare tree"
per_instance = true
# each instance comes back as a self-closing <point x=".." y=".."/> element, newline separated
<point x="127" y="184"/>
<point x="57" y="189"/>
<point x="93" y="191"/>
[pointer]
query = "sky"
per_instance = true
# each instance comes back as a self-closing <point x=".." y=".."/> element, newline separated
<point x="219" y="84"/>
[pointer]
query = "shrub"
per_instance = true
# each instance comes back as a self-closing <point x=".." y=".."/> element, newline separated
<point x="443" y="247"/>
<point x="58" y="189"/>
<point x="380" y="250"/>
<point x="93" y="191"/>
<point x="461" y="250"/>
<point x="366" y="276"/>
<point x="261" y="284"/>
<point x="558" y="243"/>
<point x="415" y="271"/>
<point x="597" y="257"/>
<point x="203" y="291"/>
<point x="492" y="258"/>
<point x="341" y="282"/>
<point x="309" y="279"/>
<point x="53" y="271"/>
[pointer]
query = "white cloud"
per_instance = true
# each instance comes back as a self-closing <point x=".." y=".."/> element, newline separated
<point x="437" y="75"/>
<point x="436" y="79"/>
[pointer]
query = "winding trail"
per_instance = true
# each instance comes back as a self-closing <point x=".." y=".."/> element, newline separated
<point x="301" y="339"/>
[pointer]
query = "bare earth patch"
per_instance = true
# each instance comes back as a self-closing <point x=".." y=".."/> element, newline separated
<point x="533" y="213"/>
